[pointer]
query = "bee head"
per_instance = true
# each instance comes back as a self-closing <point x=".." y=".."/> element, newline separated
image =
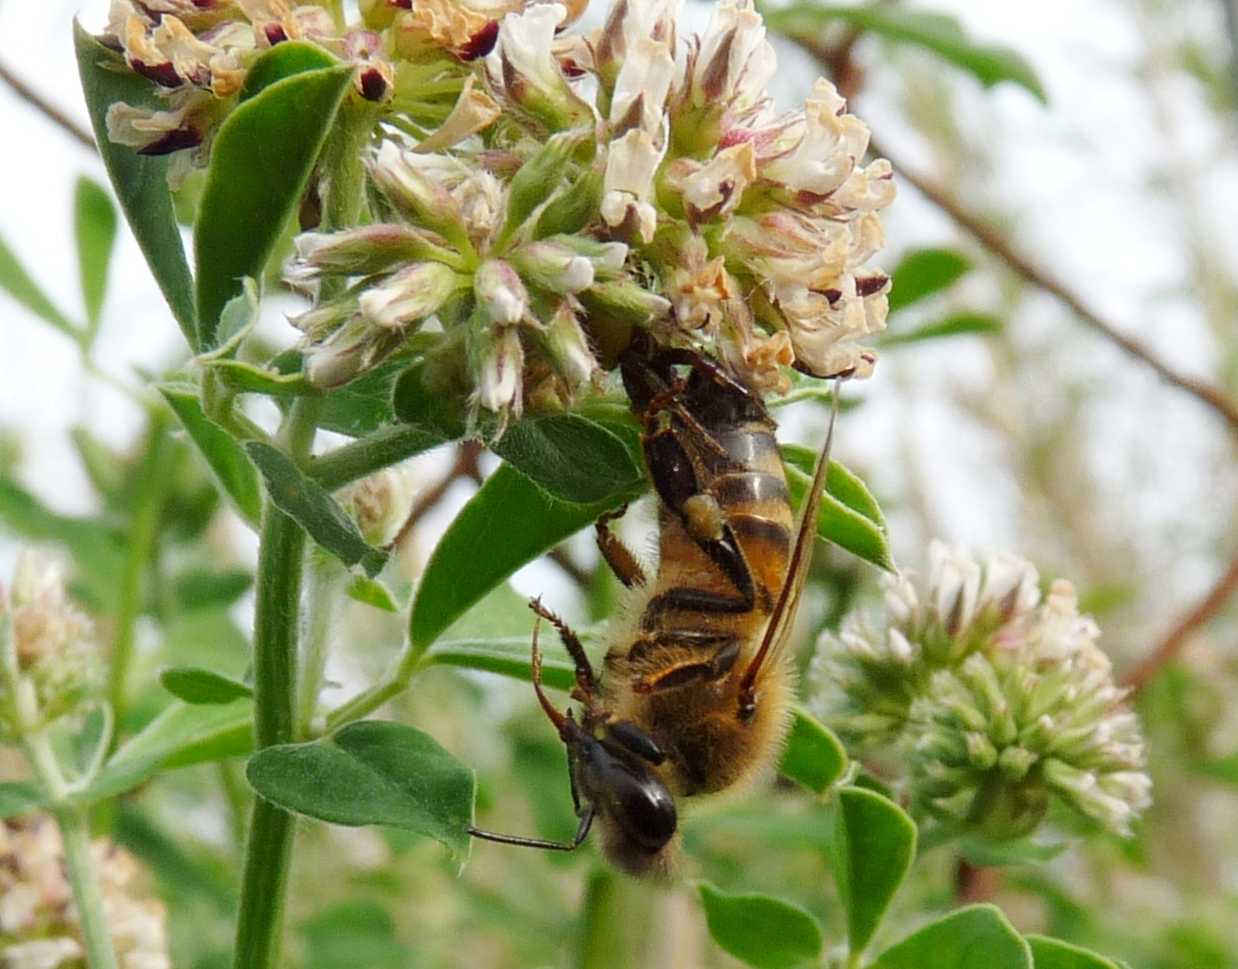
<point x="615" y="770"/>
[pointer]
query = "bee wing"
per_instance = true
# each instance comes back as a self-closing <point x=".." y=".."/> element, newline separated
<point x="783" y="617"/>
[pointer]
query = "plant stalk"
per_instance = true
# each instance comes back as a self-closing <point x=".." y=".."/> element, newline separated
<point x="78" y="860"/>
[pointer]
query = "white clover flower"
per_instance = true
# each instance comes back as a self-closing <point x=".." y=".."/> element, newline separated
<point x="40" y="925"/>
<point x="998" y="701"/>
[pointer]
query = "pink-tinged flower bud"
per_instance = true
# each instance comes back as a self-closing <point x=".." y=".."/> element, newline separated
<point x="361" y="251"/>
<point x="418" y="186"/>
<point x="568" y="348"/>
<point x="410" y="295"/>
<point x="523" y="65"/>
<point x="500" y="292"/>
<point x="553" y="266"/>
<point x="351" y="350"/>
<point x="502" y="371"/>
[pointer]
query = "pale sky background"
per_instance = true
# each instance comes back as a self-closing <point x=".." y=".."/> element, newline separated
<point x="1082" y="178"/>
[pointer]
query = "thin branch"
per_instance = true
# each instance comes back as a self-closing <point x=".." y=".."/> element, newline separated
<point x="465" y="467"/>
<point x="1180" y="634"/>
<point x="560" y="556"/>
<point x="46" y="108"/>
<point x="993" y="240"/>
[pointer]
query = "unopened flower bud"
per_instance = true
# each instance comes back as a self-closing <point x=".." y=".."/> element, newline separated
<point x="410" y="295"/>
<point x="553" y="266"/>
<point x="568" y="348"/>
<point x="624" y="301"/>
<point x="361" y="251"/>
<point x="380" y="504"/>
<point x="500" y="292"/>
<point x="502" y="366"/>
<point x="417" y="184"/>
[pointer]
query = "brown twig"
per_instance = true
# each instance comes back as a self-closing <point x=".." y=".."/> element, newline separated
<point x="465" y="467"/>
<point x="997" y="244"/>
<point x="1180" y="634"/>
<point x="973" y="883"/>
<point x="46" y="108"/>
<point x="561" y="558"/>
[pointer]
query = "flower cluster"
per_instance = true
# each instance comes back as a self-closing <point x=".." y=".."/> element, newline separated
<point x="48" y="654"/>
<point x="997" y="699"/>
<point x="39" y="925"/>
<point x="543" y="191"/>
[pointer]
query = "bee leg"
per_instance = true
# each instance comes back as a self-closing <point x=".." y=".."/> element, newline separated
<point x="586" y="680"/>
<point x="582" y="832"/>
<point x="617" y="555"/>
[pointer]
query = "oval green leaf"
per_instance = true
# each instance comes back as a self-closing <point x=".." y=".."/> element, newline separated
<point x="223" y="454"/>
<point x="814" y="757"/>
<point x="371" y="592"/>
<point x="874" y="844"/>
<point x="572" y="457"/>
<point x="761" y="930"/>
<point x="372" y="772"/>
<point x="261" y="161"/>
<point x="312" y="507"/>
<point x="850" y="516"/>
<point x="284" y="60"/>
<point x="514" y="521"/>
<point x="94" y="226"/>
<point x="976" y="937"/>
<point x="1050" y="953"/>
<point x="140" y="181"/>
<point x="199" y="686"/>
<point x="19" y="284"/>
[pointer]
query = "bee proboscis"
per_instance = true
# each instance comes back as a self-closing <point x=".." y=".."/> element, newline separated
<point x="697" y="685"/>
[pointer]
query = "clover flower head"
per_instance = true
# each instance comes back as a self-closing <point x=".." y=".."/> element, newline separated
<point x="47" y="647"/>
<point x="997" y="700"/>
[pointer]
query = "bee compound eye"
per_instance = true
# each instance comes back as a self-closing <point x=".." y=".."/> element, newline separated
<point x="647" y="812"/>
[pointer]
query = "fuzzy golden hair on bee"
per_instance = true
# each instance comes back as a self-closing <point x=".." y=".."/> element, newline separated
<point x="697" y="684"/>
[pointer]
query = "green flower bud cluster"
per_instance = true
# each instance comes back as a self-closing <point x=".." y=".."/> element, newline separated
<point x="993" y="701"/>
<point x="49" y="660"/>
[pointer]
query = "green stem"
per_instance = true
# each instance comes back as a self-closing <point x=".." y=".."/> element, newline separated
<point x="615" y="920"/>
<point x="79" y="862"/>
<point x="152" y="477"/>
<point x="268" y="849"/>
<point x="408" y="665"/>
<point x="383" y="448"/>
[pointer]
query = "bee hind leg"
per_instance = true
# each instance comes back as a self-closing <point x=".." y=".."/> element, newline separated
<point x="617" y="555"/>
<point x="586" y="679"/>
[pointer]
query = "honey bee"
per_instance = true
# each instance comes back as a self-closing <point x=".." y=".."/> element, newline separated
<point x="697" y="686"/>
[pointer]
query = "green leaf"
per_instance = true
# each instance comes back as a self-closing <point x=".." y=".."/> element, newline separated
<point x="222" y="453"/>
<point x="570" y="456"/>
<point x="874" y="844"/>
<point x="371" y="592"/>
<point x="976" y="937"/>
<point x="94" y="223"/>
<point x="19" y="797"/>
<point x="1050" y="953"/>
<point x="18" y="283"/>
<point x="261" y="161"/>
<point x="372" y="772"/>
<point x="925" y="272"/>
<point x="813" y="757"/>
<point x="284" y="60"/>
<point x="941" y="34"/>
<point x="363" y="405"/>
<point x="1223" y="769"/>
<point x="959" y="324"/>
<point x="850" y="516"/>
<point x="507" y="656"/>
<point x="761" y="930"/>
<point x="199" y="686"/>
<point x="249" y="378"/>
<point x="515" y="521"/>
<point x="140" y="181"/>
<point x="180" y="736"/>
<point x="313" y="508"/>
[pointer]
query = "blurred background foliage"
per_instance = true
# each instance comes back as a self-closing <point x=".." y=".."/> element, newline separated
<point x="1067" y="173"/>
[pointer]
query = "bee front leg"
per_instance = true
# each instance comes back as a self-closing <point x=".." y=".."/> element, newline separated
<point x="617" y="555"/>
<point x="586" y="679"/>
